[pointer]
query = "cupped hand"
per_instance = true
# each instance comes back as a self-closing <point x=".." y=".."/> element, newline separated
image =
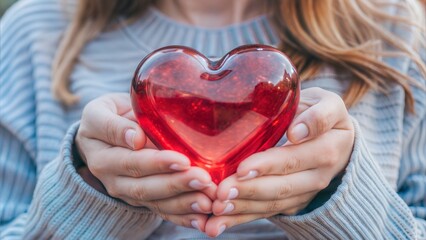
<point x="283" y="180"/>
<point x="119" y="155"/>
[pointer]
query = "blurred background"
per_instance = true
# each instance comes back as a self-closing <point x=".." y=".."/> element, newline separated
<point x="4" y="4"/>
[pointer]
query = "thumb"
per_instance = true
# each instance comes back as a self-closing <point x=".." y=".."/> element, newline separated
<point x="105" y="119"/>
<point x="321" y="111"/>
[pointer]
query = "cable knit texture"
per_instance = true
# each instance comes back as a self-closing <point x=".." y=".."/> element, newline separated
<point x="382" y="194"/>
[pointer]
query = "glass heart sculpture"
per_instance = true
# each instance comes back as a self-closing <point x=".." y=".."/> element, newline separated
<point x="217" y="113"/>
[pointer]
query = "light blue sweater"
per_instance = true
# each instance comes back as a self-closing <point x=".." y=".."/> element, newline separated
<point x="382" y="194"/>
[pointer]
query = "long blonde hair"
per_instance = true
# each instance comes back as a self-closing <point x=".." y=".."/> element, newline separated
<point x="348" y="35"/>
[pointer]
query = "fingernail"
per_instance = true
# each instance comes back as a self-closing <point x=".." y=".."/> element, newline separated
<point x="129" y="136"/>
<point x="178" y="167"/>
<point x="229" y="208"/>
<point x="195" y="225"/>
<point x="251" y="174"/>
<point x="221" y="230"/>
<point x="300" y="131"/>
<point x="196" y="207"/>
<point x="233" y="193"/>
<point x="196" y="184"/>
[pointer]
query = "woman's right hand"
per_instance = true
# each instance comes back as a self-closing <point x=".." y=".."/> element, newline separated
<point x="117" y="152"/>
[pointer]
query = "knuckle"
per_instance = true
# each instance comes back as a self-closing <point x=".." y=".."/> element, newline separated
<point x="93" y="103"/>
<point x="251" y="192"/>
<point x="184" y="221"/>
<point x="322" y="183"/>
<point x="173" y="188"/>
<point x="317" y="89"/>
<point x="285" y="190"/>
<point x="183" y="206"/>
<point x="158" y="157"/>
<point x="321" y="123"/>
<point x="337" y="99"/>
<point x="242" y="207"/>
<point x="83" y="131"/>
<point x="111" y="131"/>
<point x="273" y="206"/>
<point x="292" y="164"/>
<point x="87" y="109"/>
<point x="155" y="206"/>
<point x="88" y="112"/>
<point x="131" y="168"/>
<point x="138" y="193"/>
<point x="317" y="123"/>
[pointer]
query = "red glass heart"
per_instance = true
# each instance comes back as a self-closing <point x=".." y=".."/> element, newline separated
<point x="215" y="112"/>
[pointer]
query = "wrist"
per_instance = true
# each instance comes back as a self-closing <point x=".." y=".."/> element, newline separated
<point x="90" y="179"/>
<point x="76" y="157"/>
<point x="84" y="171"/>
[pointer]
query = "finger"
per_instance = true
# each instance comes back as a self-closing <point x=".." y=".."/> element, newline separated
<point x="272" y="187"/>
<point x="304" y="103"/>
<point x="216" y="225"/>
<point x="161" y="186"/>
<point x="186" y="203"/>
<point x="210" y="191"/>
<point x="288" y="159"/>
<point x="276" y="161"/>
<point x="131" y="116"/>
<point x="284" y="206"/>
<point x="196" y="221"/>
<point x="137" y="164"/>
<point x="326" y="111"/>
<point x="104" y="119"/>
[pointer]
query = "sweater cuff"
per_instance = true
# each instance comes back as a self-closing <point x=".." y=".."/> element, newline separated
<point x="364" y="206"/>
<point x="64" y="206"/>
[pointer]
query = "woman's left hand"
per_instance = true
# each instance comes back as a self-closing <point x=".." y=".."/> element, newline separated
<point x="283" y="180"/>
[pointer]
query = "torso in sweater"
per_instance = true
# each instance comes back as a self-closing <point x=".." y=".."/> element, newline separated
<point x="106" y="64"/>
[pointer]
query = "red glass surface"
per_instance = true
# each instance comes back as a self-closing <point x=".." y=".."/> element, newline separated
<point x="215" y="112"/>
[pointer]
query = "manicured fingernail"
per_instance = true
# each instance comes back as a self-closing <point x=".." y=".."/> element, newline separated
<point x="221" y="230"/>
<point x="129" y="136"/>
<point x="195" y="225"/>
<point x="196" y="184"/>
<point x="178" y="167"/>
<point x="233" y="193"/>
<point x="196" y="207"/>
<point x="300" y="131"/>
<point x="251" y="174"/>
<point x="229" y="208"/>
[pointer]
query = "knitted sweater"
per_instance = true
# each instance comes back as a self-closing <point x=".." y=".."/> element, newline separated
<point x="382" y="194"/>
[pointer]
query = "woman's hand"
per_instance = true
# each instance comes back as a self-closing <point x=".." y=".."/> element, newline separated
<point x="283" y="180"/>
<point x="118" y="153"/>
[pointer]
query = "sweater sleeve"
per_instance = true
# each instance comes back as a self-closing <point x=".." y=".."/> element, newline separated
<point x="364" y="205"/>
<point x="51" y="201"/>
<point x="65" y="207"/>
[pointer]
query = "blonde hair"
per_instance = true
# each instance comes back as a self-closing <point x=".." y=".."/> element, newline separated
<point x="347" y="35"/>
